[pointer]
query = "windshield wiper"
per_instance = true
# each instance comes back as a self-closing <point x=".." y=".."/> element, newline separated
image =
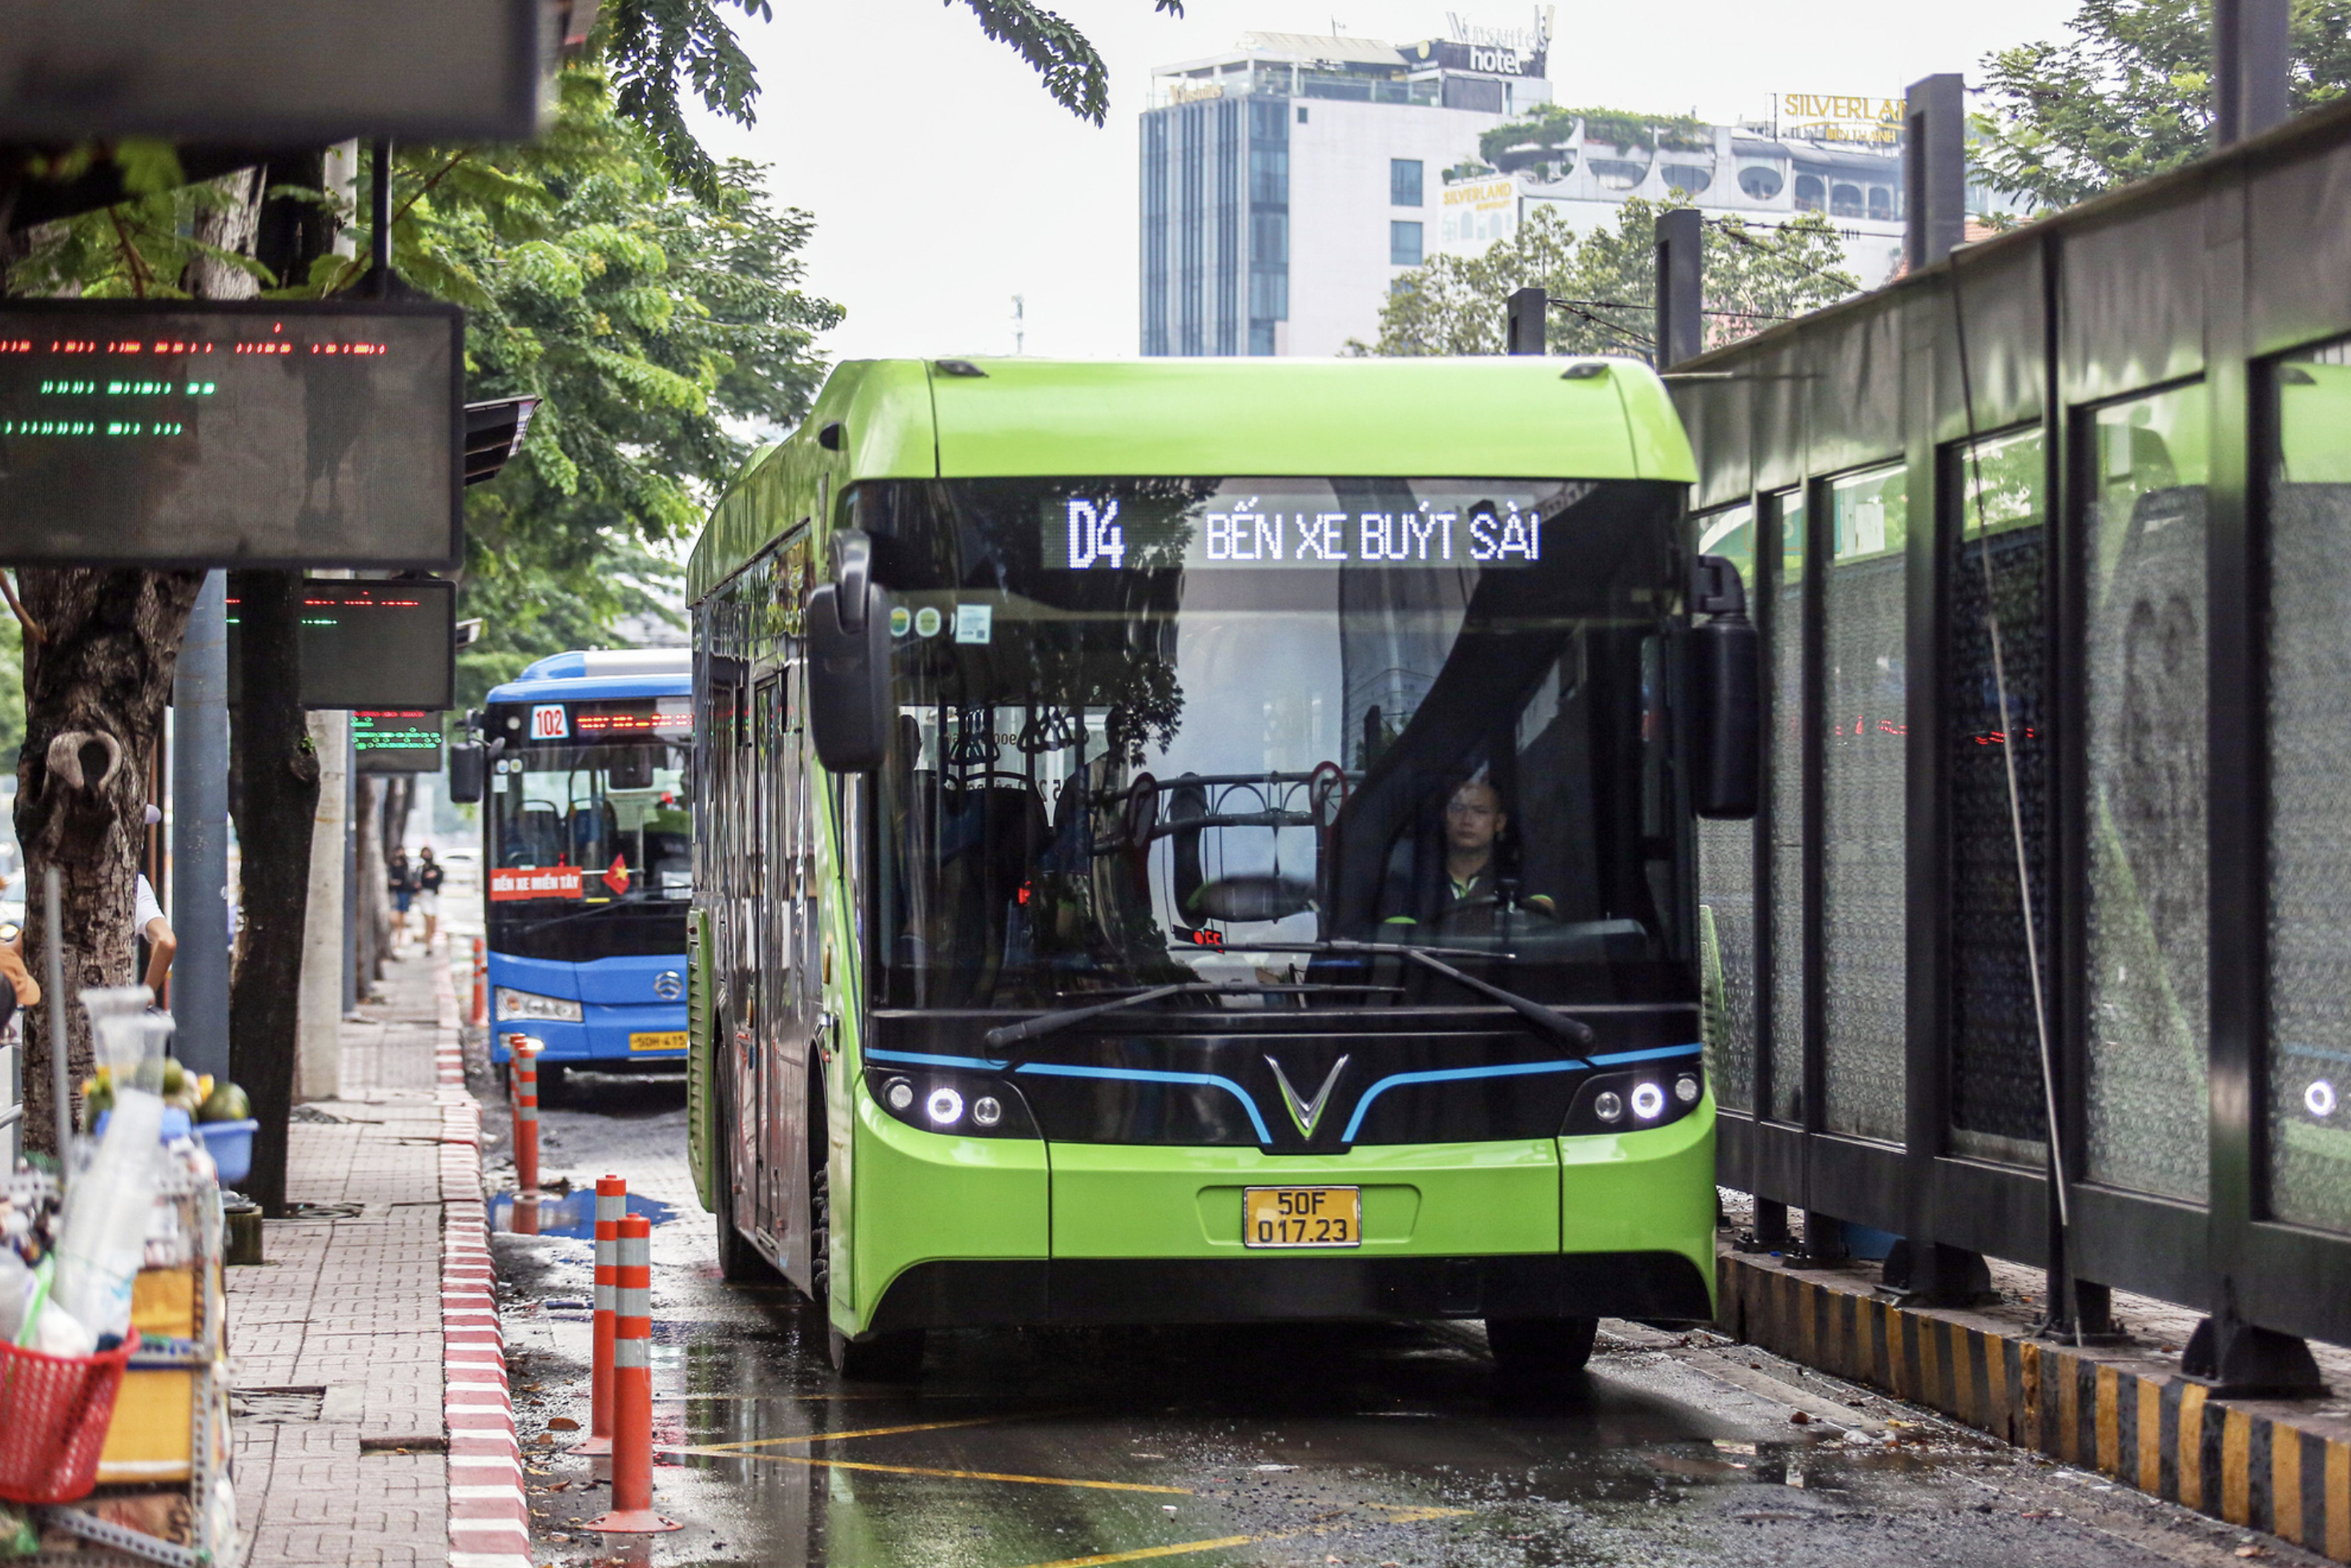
<point x="1054" y="1022"/>
<point x="1548" y="1020"/>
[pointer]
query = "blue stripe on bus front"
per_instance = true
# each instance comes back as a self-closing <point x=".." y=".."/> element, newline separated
<point x="1619" y="1059"/>
<point x="1148" y="1075"/>
<point x="1449" y="1074"/>
<point x="922" y="1059"/>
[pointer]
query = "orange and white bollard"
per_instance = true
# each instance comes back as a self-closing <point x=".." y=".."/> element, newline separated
<point x="481" y="983"/>
<point x="523" y="1051"/>
<point x="611" y="1204"/>
<point x="632" y="1388"/>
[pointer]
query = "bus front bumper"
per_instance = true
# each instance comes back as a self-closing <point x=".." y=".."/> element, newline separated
<point x="954" y="1232"/>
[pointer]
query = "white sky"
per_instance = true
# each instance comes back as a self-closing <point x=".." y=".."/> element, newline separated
<point x="944" y="181"/>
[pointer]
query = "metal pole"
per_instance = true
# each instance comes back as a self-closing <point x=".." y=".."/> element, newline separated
<point x="1935" y="168"/>
<point x="200" y="834"/>
<point x="60" y="1071"/>
<point x="2251" y="58"/>
<point x="1681" y="287"/>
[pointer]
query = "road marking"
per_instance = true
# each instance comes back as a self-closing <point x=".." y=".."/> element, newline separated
<point x="868" y="1432"/>
<point x="1403" y="1513"/>
<point x="923" y="1471"/>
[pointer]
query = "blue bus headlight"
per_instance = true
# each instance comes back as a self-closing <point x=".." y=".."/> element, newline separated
<point x="513" y="1004"/>
<point x="1634" y="1102"/>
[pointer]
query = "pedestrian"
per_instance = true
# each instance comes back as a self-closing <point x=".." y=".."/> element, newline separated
<point x="428" y="894"/>
<point x="147" y="920"/>
<point x="400" y="883"/>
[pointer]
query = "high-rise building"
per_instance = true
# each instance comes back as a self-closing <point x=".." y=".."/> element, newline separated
<point x="1286" y="183"/>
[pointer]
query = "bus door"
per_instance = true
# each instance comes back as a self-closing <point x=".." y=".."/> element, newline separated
<point x="770" y="917"/>
<point x="798" y="1000"/>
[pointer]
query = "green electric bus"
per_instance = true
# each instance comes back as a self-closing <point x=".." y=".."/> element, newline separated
<point x="1211" y="840"/>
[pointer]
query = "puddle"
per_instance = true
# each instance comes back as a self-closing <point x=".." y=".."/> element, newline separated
<point x="574" y="1215"/>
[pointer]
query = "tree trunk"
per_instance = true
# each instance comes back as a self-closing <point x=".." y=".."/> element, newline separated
<point x="399" y="797"/>
<point x="96" y="683"/>
<point x="277" y="791"/>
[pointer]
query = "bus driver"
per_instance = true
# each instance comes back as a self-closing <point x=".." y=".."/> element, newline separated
<point x="1474" y="824"/>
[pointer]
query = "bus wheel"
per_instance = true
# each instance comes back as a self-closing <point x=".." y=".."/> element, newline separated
<point x="1539" y="1351"/>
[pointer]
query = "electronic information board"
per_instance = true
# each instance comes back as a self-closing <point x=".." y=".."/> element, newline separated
<point x="251" y="434"/>
<point x="373" y="644"/>
<point x="403" y="740"/>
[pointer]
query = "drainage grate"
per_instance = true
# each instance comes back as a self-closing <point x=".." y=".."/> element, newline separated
<point x="276" y="1406"/>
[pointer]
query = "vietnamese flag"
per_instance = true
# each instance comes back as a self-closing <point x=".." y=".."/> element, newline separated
<point x="616" y="875"/>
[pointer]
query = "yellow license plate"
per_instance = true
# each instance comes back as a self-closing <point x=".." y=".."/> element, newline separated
<point x="1302" y="1217"/>
<point x="665" y="1040"/>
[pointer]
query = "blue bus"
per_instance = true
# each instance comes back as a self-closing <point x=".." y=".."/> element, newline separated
<point x="587" y="845"/>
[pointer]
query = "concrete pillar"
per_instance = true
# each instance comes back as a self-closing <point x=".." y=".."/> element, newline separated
<point x="318" y="1059"/>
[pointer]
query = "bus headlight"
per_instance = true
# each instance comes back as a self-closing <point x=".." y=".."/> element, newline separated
<point x="967" y="1105"/>
<point x="1634" y="1101"/>
<point x="513" y="1004"/>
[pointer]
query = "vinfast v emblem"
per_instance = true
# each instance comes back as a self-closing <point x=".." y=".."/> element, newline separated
<point x="1307" y="1113"/>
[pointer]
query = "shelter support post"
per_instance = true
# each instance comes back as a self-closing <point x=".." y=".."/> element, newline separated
<point x="1681" y="287"/>
<point x="1935" y="168"/>
<point x="200" y="834"/>
<point x="1524" y="324"/>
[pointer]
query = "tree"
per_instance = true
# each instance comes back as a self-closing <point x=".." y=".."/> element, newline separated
<point x="1602" y="284"/>
<point x="656" y="47"/>
<point x="2127" y="93"/>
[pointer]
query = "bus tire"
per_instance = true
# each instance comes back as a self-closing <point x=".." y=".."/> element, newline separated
<point x="740" y="1262"/>
<point x="1539" y="1351"/>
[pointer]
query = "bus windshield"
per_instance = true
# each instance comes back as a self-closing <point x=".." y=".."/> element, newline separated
<point x="1163" y="731"/>
<point x="617" y="813"/>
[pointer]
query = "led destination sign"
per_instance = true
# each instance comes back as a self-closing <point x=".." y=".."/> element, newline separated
<point x="186" y="433"/>
<point x="1416" y="526"/>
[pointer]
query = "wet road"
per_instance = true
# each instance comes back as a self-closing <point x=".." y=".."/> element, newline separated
<point x="1216" y="1447"/>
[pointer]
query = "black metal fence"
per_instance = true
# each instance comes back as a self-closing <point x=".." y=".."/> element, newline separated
<point x="2052" y="547"/>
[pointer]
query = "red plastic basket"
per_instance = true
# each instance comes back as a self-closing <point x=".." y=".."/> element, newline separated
<point x="53" y="1411"/>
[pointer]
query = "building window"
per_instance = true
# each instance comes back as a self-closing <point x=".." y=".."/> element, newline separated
<point x="1812" y="195"/>
<point x="1844" y="202"/>
<point x="1403" y="181"/>
<point x="1761" y="182"/>
<point x="1260" y="338"/>
<point x="1302" y="117"/>
<point x="1881" y="203"/>
<point x="1403" y="244"/>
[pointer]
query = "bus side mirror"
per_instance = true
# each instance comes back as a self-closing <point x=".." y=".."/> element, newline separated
<point x="1724" y="696"/>
<point x="849" y="661"/>
<point x="465" y="771"/>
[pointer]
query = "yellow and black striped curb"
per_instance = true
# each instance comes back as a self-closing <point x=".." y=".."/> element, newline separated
<point x="2246" y="1463"/>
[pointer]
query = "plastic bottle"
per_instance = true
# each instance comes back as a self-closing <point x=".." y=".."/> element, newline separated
<point x="102" y="1231"/>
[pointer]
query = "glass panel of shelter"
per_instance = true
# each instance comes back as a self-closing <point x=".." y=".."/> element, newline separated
<point x="1726" y="857"/>
<point x="2145" y="1091"/>
<point x="2307" y="474"/>
<point x="1996" y="742"/>
<point x="1783" y="621"/>
<point x="1864" y="815"/>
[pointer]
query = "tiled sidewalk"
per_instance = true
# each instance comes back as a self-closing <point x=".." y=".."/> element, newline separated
<point x="345" y="1460"/>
